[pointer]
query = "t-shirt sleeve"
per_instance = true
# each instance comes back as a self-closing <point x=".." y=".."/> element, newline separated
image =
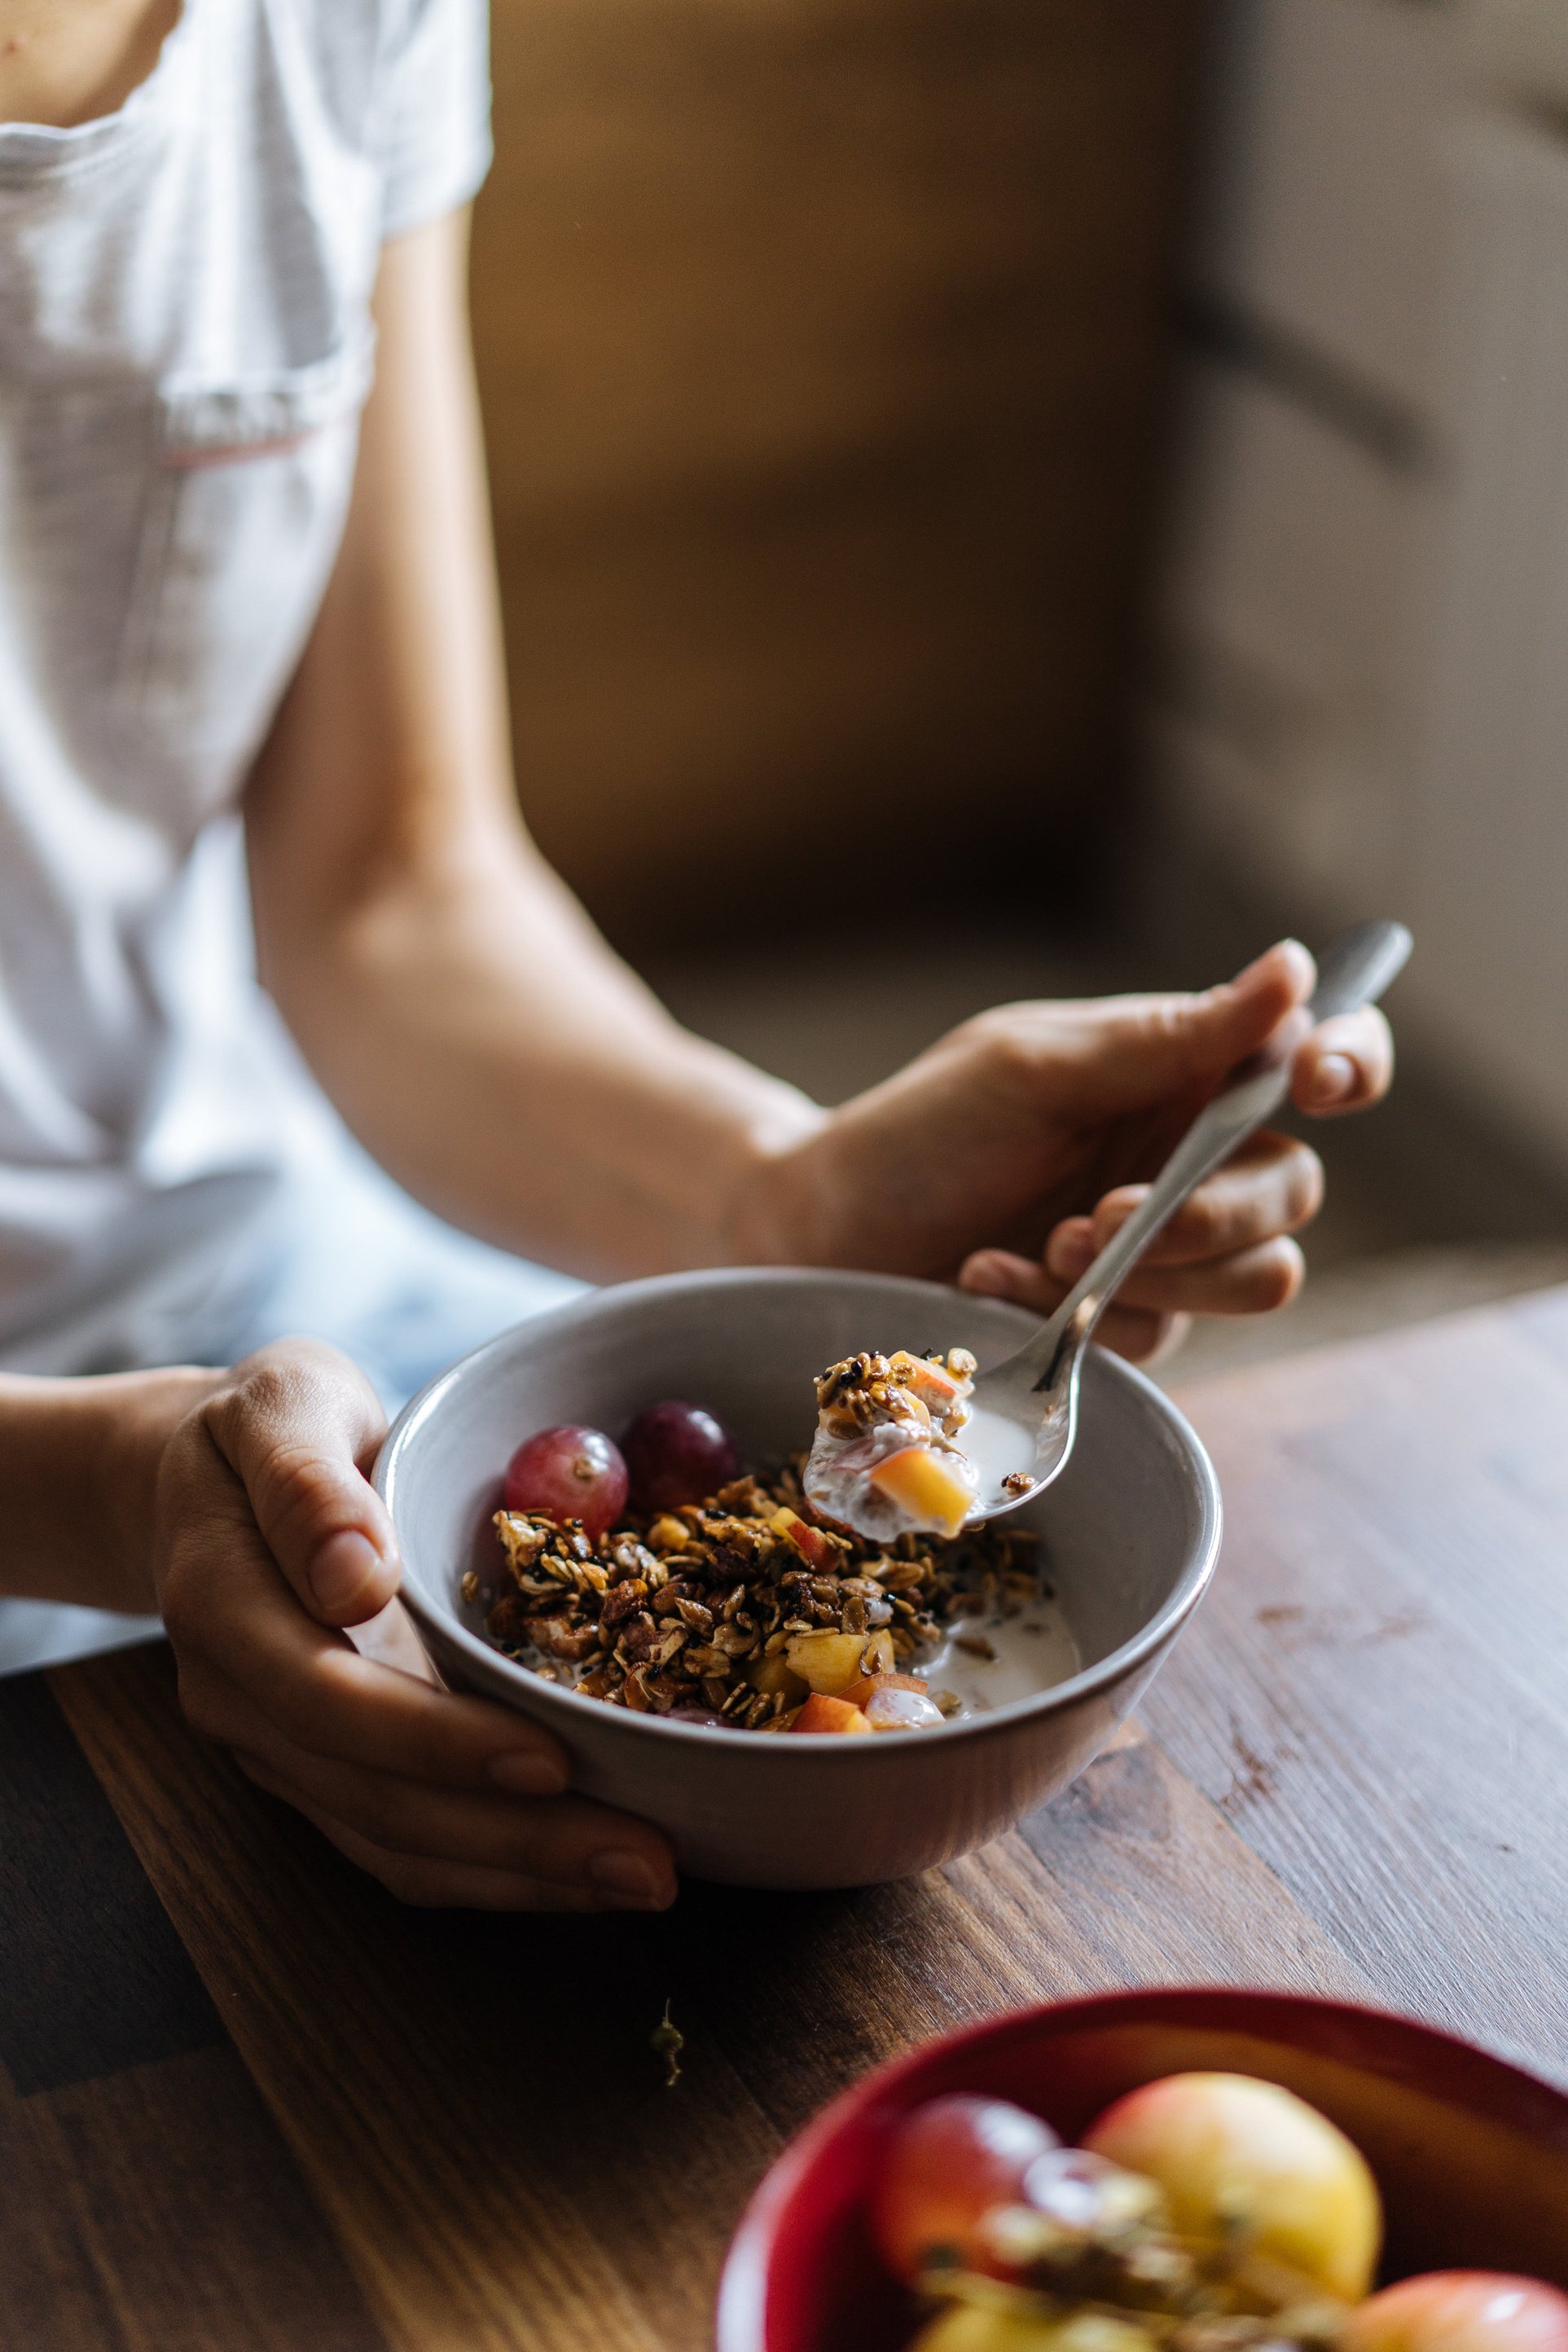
<point x="433" y="110"/>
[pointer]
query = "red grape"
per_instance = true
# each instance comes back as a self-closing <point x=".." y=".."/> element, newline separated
<point x="949" y="2164"/>
<point x="1084" y="2193"/>
<point x="570" y="1472"/>
<point x="676" y="1453"/>
<point x="1462" y="2311"/>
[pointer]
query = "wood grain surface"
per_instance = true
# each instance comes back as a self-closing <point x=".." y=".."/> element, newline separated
<point x="249" y="2102"/>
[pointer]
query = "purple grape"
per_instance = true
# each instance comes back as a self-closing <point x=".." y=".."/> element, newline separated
<point x="677" y="1453"/>
<point x="571" y="1473"/>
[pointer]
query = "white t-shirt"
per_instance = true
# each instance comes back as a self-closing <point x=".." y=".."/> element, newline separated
<point x="184" y="348"/>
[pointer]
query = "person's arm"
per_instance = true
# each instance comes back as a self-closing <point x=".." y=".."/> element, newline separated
<point x="458" y="1005"/>
<point x="268" y="1539"/>
<point x="494" y="1054"/>
<point x="491" y="1052"/>
<point x="79" y="1463"/>
<point x="238" y="1503"/>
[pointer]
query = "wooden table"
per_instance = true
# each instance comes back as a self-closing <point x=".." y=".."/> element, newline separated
<point x="245" y="2101"/>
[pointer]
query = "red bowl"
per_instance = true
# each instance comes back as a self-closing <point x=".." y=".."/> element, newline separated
<point x="1471" y="2154"/>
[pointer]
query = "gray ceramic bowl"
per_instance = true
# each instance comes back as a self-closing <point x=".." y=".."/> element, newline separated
<point x="1130" y="1531"/>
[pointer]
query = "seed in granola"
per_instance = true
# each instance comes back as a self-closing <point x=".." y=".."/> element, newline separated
<point x="558" y="1638"/>
<point x="624" y="1600"/>
<point x="508" y="1621"/>
<point x="668" y="2042"/>
<point x="975" y="1645"/>
<point x="639" y="1639"/>
<point x="469" y="1587"/>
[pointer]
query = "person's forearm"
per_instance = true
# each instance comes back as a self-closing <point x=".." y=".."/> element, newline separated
<point x="79" y="1470"/>
<point x="493" y="1053"/>
<point x="476" y="1033"/>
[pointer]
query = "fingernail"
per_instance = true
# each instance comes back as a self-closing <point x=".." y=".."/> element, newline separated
<point x="1107" y="1221"/>
<point x="628" y="1880"/>
<point x="1300" y="956"/>
<point x="986" y="1275"/>
<point x="1335" y="1079"/>
<point x="1071" y="1250"/>
<point x="523" y="1774"/>
<point x="344" y="1566"/>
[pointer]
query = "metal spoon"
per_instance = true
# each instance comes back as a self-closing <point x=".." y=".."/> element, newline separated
<point x="1036" y="1391"/>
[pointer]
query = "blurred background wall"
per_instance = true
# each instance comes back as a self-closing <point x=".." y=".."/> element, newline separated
<point x="1364" y="623"/>
<point x="821" y="345"/>
<point x="1086" y="485"/>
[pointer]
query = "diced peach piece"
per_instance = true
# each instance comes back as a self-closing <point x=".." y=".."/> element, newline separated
<point x="821" y="1712"/>
<point x="878" y="1658"/>
<point x="859" y="1692"/>
<point x="828" y="1662"/>
<point x="932" y="1383"/>
<point x="921" y="1483"/>
<point x="771" y="1675"/>
<point x="815" y="1549"/>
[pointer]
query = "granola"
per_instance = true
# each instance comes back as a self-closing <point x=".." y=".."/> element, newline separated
<point x="887" y="1459"/>
<point x="721" y="1610"/>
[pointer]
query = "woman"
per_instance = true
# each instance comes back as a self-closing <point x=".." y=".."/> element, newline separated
<point x="247" y="587"/>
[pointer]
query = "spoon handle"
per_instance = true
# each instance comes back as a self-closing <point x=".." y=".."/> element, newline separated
<point x="1352" y="973"/>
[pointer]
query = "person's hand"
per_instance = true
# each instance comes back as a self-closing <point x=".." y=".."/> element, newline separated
<point x="1006" y="1156"/>
<point x="269" y="1539"/>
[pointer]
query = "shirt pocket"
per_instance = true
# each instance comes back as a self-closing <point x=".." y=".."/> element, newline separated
<point x="246" y="491"/>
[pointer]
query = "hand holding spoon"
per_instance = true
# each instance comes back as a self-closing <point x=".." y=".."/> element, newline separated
<point x="1024" y="1411"/>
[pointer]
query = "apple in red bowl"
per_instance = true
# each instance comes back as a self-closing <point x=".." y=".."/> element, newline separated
<point x="1469" y="2153"/>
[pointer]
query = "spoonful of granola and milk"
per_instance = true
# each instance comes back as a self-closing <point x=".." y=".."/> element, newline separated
<point x="887" y="1460"/>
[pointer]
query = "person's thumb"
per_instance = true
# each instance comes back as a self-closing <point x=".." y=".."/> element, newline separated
<point x="295" y="1422"/>
<point x="1135" y="1051"/>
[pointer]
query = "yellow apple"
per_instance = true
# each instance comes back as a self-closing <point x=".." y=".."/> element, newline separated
<point x="1231" y="2151"/>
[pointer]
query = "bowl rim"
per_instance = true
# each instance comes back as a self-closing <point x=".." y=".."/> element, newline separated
<point x="741" y="2310"/>
<point x="1149" y="1640"/>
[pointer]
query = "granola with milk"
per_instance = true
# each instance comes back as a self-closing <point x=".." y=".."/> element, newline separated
<point x="744" y="1609"/>
<point x="886" y="1460"/>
